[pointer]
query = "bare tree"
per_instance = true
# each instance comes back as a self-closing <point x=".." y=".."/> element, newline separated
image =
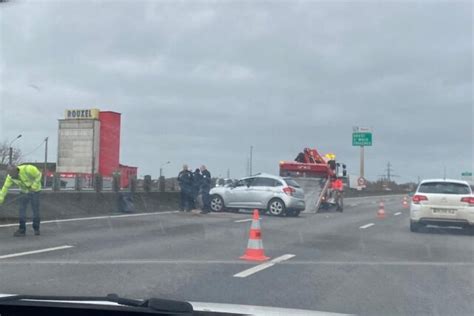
<point x="5" y="152"/>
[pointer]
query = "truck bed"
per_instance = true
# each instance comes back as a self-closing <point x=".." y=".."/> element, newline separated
<point x="312" y="192"/>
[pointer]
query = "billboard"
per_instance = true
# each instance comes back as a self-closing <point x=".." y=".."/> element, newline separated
<point x="82" y="114"/>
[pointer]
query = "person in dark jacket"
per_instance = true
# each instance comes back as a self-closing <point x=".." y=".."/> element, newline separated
<point x="197" y="179"/>
<point x="185" y="180"/>
<point x="205" y="188"/>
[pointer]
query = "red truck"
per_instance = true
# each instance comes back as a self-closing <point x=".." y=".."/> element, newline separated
<point x="315" y="174"/>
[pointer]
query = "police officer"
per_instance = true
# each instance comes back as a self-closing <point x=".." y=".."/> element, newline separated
<point x="28" y="179"/>
<point x="197" y="179"/>
<point x="185" y="180"/>
<point x="205" y="188"/>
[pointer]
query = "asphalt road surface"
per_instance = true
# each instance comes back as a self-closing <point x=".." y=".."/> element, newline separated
<point x="348" y="263"/>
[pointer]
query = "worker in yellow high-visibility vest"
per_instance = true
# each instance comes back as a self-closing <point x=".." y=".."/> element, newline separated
<point x="28" y="179"/>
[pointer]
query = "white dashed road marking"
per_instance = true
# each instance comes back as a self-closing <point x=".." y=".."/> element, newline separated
<point x="26" y="253"/>
<point x="263" y="266"/>
<point x="367" y="226"/>
<point x="245" y="220"/>
<point x="397" y="213"/>
<point x="93" y="218"/>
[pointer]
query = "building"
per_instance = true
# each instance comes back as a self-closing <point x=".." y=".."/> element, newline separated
<point x="89" y="143"/>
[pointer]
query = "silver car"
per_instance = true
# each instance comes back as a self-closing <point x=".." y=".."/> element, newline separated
<point x="279" y="196"/>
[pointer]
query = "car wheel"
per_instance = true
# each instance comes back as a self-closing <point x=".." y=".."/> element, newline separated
<point x="276" y="207"/>
<point x="217" y="203"/>
<point x="415" y="226"/>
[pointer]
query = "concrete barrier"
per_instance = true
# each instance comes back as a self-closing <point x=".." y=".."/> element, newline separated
<point x="61" y="205"/>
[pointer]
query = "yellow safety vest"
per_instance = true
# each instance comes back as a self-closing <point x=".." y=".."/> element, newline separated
<point x="29" y="180"/>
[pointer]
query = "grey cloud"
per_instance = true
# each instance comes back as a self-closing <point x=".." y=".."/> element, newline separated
<point x="202" y="82"/>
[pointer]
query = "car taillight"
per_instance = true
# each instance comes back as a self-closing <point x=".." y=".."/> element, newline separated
<point x="469" y="199"/>
<point x="418" y="198"/>
<point x="289" y="190"/>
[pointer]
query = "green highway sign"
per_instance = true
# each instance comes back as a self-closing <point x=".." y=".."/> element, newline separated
<point x="362" y="139"/>
<point x="466" y="174"/>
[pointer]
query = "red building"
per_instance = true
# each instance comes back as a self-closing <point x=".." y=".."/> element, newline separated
<point x="89" y="142"/>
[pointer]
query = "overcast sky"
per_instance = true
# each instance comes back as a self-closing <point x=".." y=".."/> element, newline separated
<point x="201" y="82"/>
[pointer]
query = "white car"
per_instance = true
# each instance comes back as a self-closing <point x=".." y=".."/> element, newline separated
<point x="442" y="202"/>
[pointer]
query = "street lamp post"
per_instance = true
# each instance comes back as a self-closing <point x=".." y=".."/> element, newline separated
<point x="10" y="153"/>
<point x="45" y="168"/>
<point x="161" y="167"/>
<point x="162" y="178"/>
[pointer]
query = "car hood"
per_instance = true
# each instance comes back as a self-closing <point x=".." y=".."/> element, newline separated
<point x="257" y="310"/>
<point x="224" y="308"/>
<point x="217" y="190"/>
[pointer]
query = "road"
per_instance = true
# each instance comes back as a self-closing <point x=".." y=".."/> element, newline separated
<point x="342" y="263"/>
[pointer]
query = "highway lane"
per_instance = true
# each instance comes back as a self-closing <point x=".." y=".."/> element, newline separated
<point x="337" y="266"/>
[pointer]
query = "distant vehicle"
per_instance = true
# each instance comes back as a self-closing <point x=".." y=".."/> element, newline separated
<point x="273" y="194"/>
<point x="442" y="203"/>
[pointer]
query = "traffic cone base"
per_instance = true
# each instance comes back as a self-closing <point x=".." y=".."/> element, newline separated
<point x="405" y="202"/>
<point x="381" y="211"/>
<point x="254" y="251"/>
<point x="254" y="255"/>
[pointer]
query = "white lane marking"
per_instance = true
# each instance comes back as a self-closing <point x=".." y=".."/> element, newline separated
<point x="233" y="262"/>
<point x="253" y="270"/>
<point x="93" y="218"/>
<point x="20" y="254"/>
<point x="366" y="226"/>
<point x="263" y="266"/>
<point x="397" y="213"/>
<point x="245" y="220"/>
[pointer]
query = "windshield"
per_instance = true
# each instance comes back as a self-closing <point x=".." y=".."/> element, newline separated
<point x="292" y="183"/>
<point x="444" y="188"/>
<point x="277" y="153"/>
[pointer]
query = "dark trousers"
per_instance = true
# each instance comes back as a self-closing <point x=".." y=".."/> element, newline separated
<point x="33" y="198"/>
<point x="206" y="201"/>
<point x="185" y="200"/>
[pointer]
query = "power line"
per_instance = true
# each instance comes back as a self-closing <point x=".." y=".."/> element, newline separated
<point x="38" y="147"/>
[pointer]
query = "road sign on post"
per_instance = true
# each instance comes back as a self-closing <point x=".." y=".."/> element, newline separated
<point x="362" y="139"/>
<point x="466" y="174"/>
<point x="361" y="136"/>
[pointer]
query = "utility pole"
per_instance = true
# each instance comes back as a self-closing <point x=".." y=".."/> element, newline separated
<point x="45" y="168"/>
<point x="228" y="173"/>
<point x="247" y="167"/>
<point x="10" y="151"/>
<point x="362" y="171"/>
<point x="251" y="162"/>
<point x="389" y="171"/>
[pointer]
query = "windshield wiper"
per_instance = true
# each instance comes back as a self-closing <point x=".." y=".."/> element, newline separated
<point x="155" y="304"/>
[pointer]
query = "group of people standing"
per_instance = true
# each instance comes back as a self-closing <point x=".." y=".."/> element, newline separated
<point x="193" y="185"/>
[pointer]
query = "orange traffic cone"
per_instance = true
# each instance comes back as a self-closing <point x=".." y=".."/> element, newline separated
<point x="405" y="202"/>
<point x="381" y="211"/>
<point x="255" y="250"/>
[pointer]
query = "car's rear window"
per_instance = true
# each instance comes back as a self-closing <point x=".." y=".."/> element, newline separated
<point x="292" y="183"/>
<point x="444" y="188"/>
